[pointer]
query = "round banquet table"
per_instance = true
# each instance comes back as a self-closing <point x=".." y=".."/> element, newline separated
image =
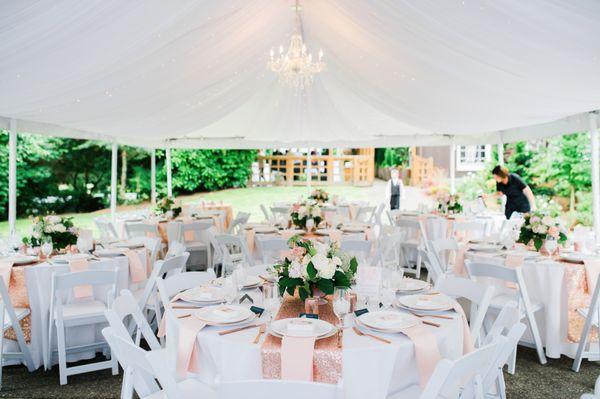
<point x="437" y="227"/>
<point x="370" y="368"/>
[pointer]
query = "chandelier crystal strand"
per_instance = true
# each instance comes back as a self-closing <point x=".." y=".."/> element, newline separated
<point x="296" y="67"/>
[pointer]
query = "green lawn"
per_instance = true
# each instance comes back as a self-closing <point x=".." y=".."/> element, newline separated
<point x="243" y="199"/>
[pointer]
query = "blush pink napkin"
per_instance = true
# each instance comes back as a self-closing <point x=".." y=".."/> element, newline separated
<point x="459" y="261"/>
<point x="250" y="236"/>
<point x="287" y="234"/>
<point x="335" y="236"/>
<point x="137" y="270"/>
<point x="80" y="291"/>
<point x="187" y="348"/>
<point x="297" y="358"/>
<point x="427" y="352"/>
<point x="468" y="346"/>
<point x="189" y="236"/>
<point x="368" y="234"/>
<point x="352" y="209"/>
<point x="592" y="271"/>
<point x="5" y="272"/>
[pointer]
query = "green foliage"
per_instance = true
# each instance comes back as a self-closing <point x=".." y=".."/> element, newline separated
<point x="391" y="157"/>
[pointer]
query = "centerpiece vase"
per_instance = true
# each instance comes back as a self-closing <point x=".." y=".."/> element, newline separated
<point x="319" y="295"/>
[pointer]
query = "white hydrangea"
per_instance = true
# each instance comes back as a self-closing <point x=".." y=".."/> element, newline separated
<point x="59" y="228"/>
<point x="297" y="270"/>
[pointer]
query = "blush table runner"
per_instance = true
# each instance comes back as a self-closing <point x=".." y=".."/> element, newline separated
<point x="327" y="358"/>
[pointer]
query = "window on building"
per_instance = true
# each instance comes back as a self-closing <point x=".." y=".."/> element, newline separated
<point x="472" y="157"/>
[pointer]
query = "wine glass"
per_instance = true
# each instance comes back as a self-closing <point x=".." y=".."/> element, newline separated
<point x="388" y="294"/>
<point x="551" y="244"/>
<point x="82" y="245"/>
<point x="240" y="276"/>
<point x="229" y="289"/>
<point x="270" y="295"/>
<point x="46" y="247"/>
<point x="341" y="303"/>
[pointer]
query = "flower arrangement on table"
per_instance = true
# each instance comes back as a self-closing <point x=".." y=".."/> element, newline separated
<point x="59" y="229"/>
<point x="449" y="203"/>
<point x="314" y="268"/>
<point x="305" y="211"/>
<point x="166" y="207"/>
<point x="539" y="227"/>
<point x="319" y="195"/>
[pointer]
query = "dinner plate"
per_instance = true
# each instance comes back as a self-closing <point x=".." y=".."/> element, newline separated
<point x="223" y="314"/>
<point x="202" y="295"/>
<point x="20" y="259"/>
<point x="387" y="320"/>
<point x="481" y="241"/>
<point x="66" y="258"/>
<point x="527" y="255"/>
<point x="411" y="284"/>
<point x="108" y="253"/>
<point x="353" y="229"/>
<point x="439" y="302"/>
<point x="320" y="328"/>
<point x="265" y="230"/>
<point x="129" y="244"/>
<point x="322" y="232"/>
<point x="576" y="257"/>
<point x="485" y="247"/>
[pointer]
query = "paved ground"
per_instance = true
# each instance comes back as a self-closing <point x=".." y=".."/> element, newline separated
<point x="532" y="381"/>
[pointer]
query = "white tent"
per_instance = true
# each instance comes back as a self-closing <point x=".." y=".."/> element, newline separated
<point x="192" y="73"/>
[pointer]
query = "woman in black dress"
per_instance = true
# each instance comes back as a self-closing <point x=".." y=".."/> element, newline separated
<point x="519" y="197"/>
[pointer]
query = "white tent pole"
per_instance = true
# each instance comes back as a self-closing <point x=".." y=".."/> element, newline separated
<point x="153" y="177"/>
<point x="501" y="154"/>
<point x="169" y="179"/>
<point x="595" y="144"/>
<point x="12" y="178"/>
<point x="452" y="167"/>
<point x="308" y="170"/>
<point x="113" y="181"/>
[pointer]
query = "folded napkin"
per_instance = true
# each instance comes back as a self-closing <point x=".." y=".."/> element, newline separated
<point x="369" y="234"/>
<point x="137" y="270"/>
<point x="250" y="236"/>
<point x="297" y="358"/>
<point x="335" y="236"/>
<point x="592" y="271"/>
<point x="187" y="348"/>
<point x="427" y="352"/>
<point x="80" y="291"/>
<point x="459" y="261"/>
<point x="189" y="236"/>
<point x="352" y="210"/>
<point x="5" y="272"/>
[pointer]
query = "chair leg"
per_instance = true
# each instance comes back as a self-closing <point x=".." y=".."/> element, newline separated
<point x="62" y="353"/>
<point x="582" y="344"/>
<point x="512" y="364"/>
<point x="536" y="336"/>
<point x="418" y="273"/>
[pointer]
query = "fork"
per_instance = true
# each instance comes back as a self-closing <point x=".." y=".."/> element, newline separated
<point x="363" y="334"/>
<point x="261" y="331"/>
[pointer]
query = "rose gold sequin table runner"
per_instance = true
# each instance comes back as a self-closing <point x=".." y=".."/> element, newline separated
<point x="578" y="296"/>
<point x="327" y="360"/>
<point x="17" y="290"/>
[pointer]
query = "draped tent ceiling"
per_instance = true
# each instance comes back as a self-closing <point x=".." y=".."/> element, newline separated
<point x="398" y="72"/>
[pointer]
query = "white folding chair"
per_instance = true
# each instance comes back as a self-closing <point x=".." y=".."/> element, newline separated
<point x="365" y="213"/>
<point x="10" y="318"/>
<point x="124" y="314"/>
<point x="469" y="230"/>
<point x="233" y="250"/>
<point x="240" y="220"/>
<point x="265" y="212"/>
<point x="149" y="366"/>
<point x="281" y="212"/>
<point x="359" y="248"/>
<point x="388" y="250"/>
<point x="414" y="238"/>
<point x="434" y="270"/>
<point x="527" y="309"/>
<point x="445" y="251"/>
<point x="65" y="313"/>
<point x="478" y="295"/>
<point x="596" y="394"/>
<point x="141" y="229"/>
<point x="198" y="240"/>
<point x="377" y="214"/>
<point x="592" y="316"/>
<point x="461" y="378"/>
<point x="393" y="216"/>
<point x="276" y="389"/>
<point x="270" y="247"/>
<point x="170" y="286"/>
<point x="106" y="228"/>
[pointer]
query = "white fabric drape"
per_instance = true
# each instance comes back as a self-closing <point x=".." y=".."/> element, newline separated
<point x="398" y="72"/>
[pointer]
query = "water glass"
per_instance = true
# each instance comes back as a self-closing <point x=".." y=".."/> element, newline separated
<point x="271" y="300"/>
<point x="83" y="245"/>
<point x="551" y="245"/>
<point x="46" y="247"/>
<point x="373" y="303"/>
<point x="341" y="303"/>
<point x="230" y="291"/>
<point x="388" y="295"/>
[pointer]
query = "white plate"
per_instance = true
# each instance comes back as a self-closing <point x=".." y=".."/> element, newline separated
<point x="202" y="294"/>
<point x="20" y="259"/>
<point x="108" y="253"/>
<point x="576" y="257"/>
<point x="320" y="327"/>
<point x="388" y="320"/>
<point x="130" y="244"/>
<point x="485" y="247"/>
<point x="353" y="229"/>
<point x="223" y="314"/>
<point x="439" y="302"/>
<point x="265" y="230"/>
<point x="322" y="232"/>
<point x="527" y="255"/>
<point x="252" y="281"/>
<point x="411" y="284"/>
<point x="66" y="258"/>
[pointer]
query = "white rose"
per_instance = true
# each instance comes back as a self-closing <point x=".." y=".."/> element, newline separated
<point x="297" y="270"/>
<point x="49" y="228"/>
<point x="329" y="271"/>
<point x="60" y="228"/>
<point x="54" y="219"/>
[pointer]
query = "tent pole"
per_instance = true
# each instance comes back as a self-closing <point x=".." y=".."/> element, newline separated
<point x="501" y="154"/>
<point x="113" y="181"/>
<point x="308" y="170"/>
<point x="452" y="168"/>
<point x="12" y="178"/>
<point x="153" y="177"/>
<point x="595" y="144"/>
<point x="169" y="178"/>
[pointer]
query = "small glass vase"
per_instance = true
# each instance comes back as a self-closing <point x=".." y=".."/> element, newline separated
<point x="319" y="296"/>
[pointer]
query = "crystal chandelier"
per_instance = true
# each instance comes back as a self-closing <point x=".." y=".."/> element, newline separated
<point x="296" y="67"/>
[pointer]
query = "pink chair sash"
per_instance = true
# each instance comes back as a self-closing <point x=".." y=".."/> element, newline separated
<point x="137" y="270"/>
<point x="250" y="236"/>
<point x="5" y="272"/>
<point x="459" y="261"/>
<point x="80" y="291"/>
<point x="297" y="358"/>
<point x="187" y="348"/>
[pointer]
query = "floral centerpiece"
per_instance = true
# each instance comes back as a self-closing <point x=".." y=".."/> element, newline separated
<point x="319" y="195"/>
<point x="166" y="207"/>
<point x="305" y="211"/>
<point x="538" y="227"/>
<point x="59" y="229"/>
<point x="314" y="268"/>
<point x="449" y="203"/>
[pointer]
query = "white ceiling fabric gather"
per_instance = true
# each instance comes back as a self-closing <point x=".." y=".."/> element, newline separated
<point x="193" y="72"/>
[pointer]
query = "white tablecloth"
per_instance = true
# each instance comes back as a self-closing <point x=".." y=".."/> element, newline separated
<point x="371" y="369"/>
<point x="437" y="227"/>
<point x="39" y="285"/>
<point x="545" y="282"/>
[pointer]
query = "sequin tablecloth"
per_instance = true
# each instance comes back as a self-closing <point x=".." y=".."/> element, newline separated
<point x="327" y="359"/>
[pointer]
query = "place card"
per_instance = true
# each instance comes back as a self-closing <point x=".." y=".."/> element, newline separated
<point x="309" y="315"/>
<point x="257" y="310"/>
<point x="360" y="312"/>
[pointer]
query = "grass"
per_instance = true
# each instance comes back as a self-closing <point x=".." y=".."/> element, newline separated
<point x="242" y="199"/>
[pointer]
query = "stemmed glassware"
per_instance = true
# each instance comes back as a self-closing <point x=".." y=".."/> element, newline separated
<point x="46" y="247"/>
<point x="230" y="291"/>
<point x="341" y="303"/>
<point x="271" y="300"/>
<point x="388" y="294"/>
